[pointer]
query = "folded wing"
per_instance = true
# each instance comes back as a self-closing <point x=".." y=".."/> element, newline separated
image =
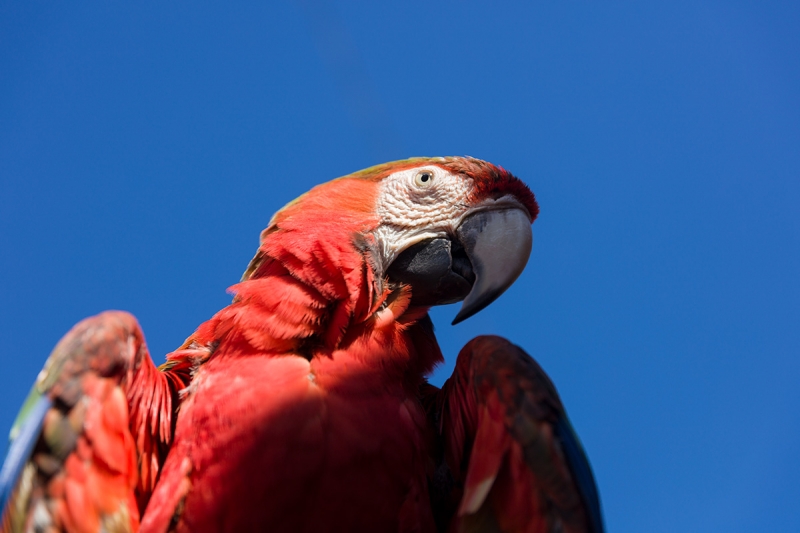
<point x="514" y="461"/>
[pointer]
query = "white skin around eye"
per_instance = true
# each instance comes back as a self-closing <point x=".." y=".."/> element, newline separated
<point x="410" y="213"/>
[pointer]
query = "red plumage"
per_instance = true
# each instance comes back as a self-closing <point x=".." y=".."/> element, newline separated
<point x="303" y="405"/>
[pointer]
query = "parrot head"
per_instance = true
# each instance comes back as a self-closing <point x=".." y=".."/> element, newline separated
<point x="450" y="228"/>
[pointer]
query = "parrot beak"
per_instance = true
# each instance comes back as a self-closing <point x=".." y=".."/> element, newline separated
<point x="490" y="249"/>
<point x="498" y="244"/>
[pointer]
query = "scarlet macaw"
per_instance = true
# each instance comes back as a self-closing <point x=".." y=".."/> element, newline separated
<point x="304" y="405"/>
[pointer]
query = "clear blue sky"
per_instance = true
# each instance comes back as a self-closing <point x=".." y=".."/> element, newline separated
<point x="143" y="149"/>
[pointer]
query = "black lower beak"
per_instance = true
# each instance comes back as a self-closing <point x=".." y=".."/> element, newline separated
<point x="438" y="271"/>
<point x="488" y="253"/>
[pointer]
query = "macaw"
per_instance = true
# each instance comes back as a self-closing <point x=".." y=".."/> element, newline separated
<point x="304" y="405"/>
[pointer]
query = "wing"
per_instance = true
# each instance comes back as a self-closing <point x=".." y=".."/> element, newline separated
<point x="87" y="446"/>
<point x="512" y="461"/>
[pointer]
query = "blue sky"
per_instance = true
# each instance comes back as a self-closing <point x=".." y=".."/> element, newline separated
<point x="143" y="149"/>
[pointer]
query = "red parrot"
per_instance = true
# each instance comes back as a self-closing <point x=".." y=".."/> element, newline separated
<point x="304" y="405"/>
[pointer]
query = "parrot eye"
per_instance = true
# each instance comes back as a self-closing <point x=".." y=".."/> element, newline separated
<point x="423" y="179"/>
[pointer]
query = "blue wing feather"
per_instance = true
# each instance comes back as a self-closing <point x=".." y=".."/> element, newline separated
<point x="581" y="471"/>
<point x="22" y="443"/>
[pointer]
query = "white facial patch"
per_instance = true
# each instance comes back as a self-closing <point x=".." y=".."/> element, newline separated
<point x="417" y="204"/>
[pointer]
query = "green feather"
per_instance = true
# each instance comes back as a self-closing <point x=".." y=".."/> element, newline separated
<point x="33" y="398"/>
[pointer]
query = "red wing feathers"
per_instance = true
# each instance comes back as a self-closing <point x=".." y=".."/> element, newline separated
<point x="509" y="447"/>
<point x="103" y="436"/>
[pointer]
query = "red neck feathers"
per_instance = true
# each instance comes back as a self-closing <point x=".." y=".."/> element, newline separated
<point x="311" y="290"/>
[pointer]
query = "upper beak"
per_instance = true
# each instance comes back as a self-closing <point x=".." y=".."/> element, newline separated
<point x="498" y="244"/>
<point x="490" y="249"/>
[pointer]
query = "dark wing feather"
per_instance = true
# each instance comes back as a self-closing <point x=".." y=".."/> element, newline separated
<point x="514" y="461"/>
<point x="581" y="471"/>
